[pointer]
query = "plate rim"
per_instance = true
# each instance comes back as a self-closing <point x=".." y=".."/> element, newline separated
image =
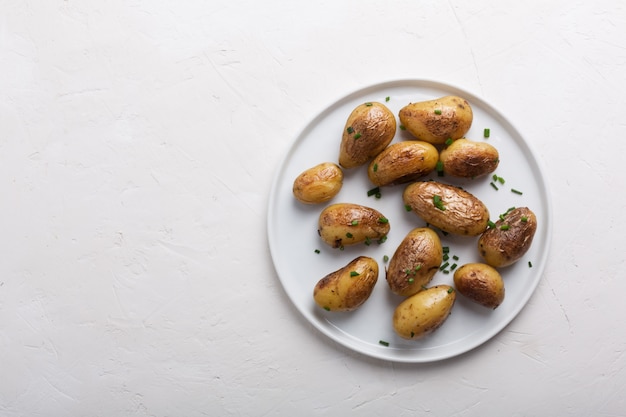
<point x="387" y="353"/>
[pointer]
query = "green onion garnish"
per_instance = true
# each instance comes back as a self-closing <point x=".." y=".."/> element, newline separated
<point x="494" y="186"/>
<point x="382" y="239"/>
<point x="373" y="191"/>
<point x="438" y="203"/>
<point x="453" y="267"/>
<point x="354" y="222"/>
<point x="354" y="274"/>
<point x="382" y="342"/>
<point x="486" y="132"/>
<point x="513" y="190"/>
<point x="350" y="129"/>
<point x="524" y="219"/>
<point x="439" y="168"/>
<point x="504" y="227"/>
<point x="375" y="167"/>
<point x="449" y="141"/>
<point x="444" y="266"/>
<point x="368" y="104"/>
<point x="445" y="249"/>
<point x="349" y="235"/>
<point x="368" y="241"/>
<point x="456" y="258"/>
<point x="407" y="207"/>
<point x="383" y="220"/>
<point x="387" y="98"/>
<point x="450" y="290"/>
<point x="446" y="256"/>
<point x="317" y="251"/>
<point x="411" y="280"/>
<point x="530" y="264"/>
<point x="385" y="258"/>
<point x="418" y="267"/>
<point x="491" y="224"/>
<point x="437" y="111"/>
<point x="356" y="136"/>
<point x="402" y="127"/>
<point x="327" y="308"/>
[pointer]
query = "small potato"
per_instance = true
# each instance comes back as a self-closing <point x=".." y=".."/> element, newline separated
<point x="446" y="207"/>
<point x="318" y="184"/>
<point x="510" y="238"/>
<point x="480" y="283"/>
<point x="403" y="162"/>
<point x="415" y="262"/>
<point x="435" y="121"/>
<point x="368" y="130"/>
<point x="346" y="224"/>
<point x="468" y="159"/>
<point x="349" y="287"/>
<point x="423" y="313"/>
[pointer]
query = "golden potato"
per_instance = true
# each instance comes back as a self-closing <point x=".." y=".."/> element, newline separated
<point x="447" y="207"/>
<point x="468" y="159"/>
<point x="423" y="313"/>
<point x="349" y="287"/>
<point x="368" y="130"/>
<point x="435" y="121"/>
<point x="415" y="262"/>
<point x="509" y="239"/>
<point x="480" y="283"/>
<point x="403" y="162"/>
<point x="318" y="184"/>
<point x="344" y="224"/>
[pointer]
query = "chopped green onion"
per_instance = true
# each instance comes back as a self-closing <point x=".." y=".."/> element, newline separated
<point x="449" y="141"/>
<point x="317" y="251"/>
<point x="378" y="195"/>
<point x="373" y="191"/>
<point x="387" y="98"/>
<point x="491" y="224"/>
<point x="501" y="180"/>
<point x="486" y="132"/>
<point x="385" y="258"/>
<point x="445" y="249"/>
<point x="504" y="227"/>
<point x="438" y="203"/>
<point x="356" y="136"/>
<point x="412" y="334"/>
<point x="349" y="235"/>
<point x="453" y="267"/>
<point x="445" y="271"/>
<point x="450" y="290"/>
<point x="354" y="274"/>
<point x="524" y="219"/>
<point x="501" y="216"/>
<point x="368" y="241"/>
<point x="350" y="129"/>
<point x="368" y="104"/>
<point x="530" y="264"/>
<point x="407" y="207"/>
<point x="382" y="239"/>
<point x="444" y="266"/>
<point x="354" y="222"/>
<point x="437" y="111"/>
<point x="446" y="257"/>
<point x="411" y="280"/>
<point x="418" y="267"/>
<point x="402" y="127"/>
<point x="382" y="342"/>
<point x="494" y="186"/>
<point x="326" y="308"/>
<point x="456" y="258"/>
<point x="383" y="220"/>
<point x="439" y="168"/>
<point x="513" y="190"/>
<point x="375" y="167"/>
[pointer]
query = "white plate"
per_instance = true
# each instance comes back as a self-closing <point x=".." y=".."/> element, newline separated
<point x="293" y="238"/>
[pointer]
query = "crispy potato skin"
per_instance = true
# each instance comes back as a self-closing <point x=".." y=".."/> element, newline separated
<point x="480" y="283"/>
<point x="369" y="129"/>
<point x="415" y="262"/>
<point x="349" y="287"/>
<point x="403" y="162"/>
<point x="318" y="184"/>
<point x="423" y="313"/>
<point x="345" y="224"/>
<point x="500" y="248"/>
<point x="464" y="214"/>
<point x="435" y="121"/>
<point x="468" y="159"/>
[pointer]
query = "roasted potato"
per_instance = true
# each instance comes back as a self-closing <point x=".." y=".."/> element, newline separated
<point x="403" y="162"/>
<point x="423" y="313"/>
<point x="349" y="287"/>
<point x="468" y="159"/>
<point x="368" y="130"/>
<point x="447" y="207"/>
<point x="415" y="262"/>
<point x="480" y="283"/>
<point x="344" y="224"/>
<point x="318" y="184"/>
<point x="509" y="239"/>
<point x="435" y="121"/>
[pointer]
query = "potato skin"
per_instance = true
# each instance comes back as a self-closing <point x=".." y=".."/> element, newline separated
<point x="480" y="283"/>
<point x="318" y="184"/>
<point x="368" y="130"/>
<point x="415" y="262"/>
<point x="434" y="121"/>
<point x="403" y="162"/>
<point x="468" y="159"/>
<point x="349" y="287"/>
<point x="500" y="248"/>
<point x="423" y="313"/>
<point x="344" y="224"/>
<point x="464" y="213"/>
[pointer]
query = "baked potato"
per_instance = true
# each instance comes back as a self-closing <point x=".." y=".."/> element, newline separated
<point x="509" y="239"/>
<point x="403" y="162"/>
<point x="318" y="184"/>
<point x="424" y="312"/>
<point x="469" y="159"/>
<point x="345" y="224"/>
<point x="480" y="283"/>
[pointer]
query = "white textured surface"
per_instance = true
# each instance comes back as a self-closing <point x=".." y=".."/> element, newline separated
<point x="138" y="140"/>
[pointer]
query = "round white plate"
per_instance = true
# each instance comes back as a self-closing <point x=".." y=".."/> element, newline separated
<point x="293" y="237"/>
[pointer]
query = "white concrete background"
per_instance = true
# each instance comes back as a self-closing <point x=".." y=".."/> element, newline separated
<point x="138" y="140"/>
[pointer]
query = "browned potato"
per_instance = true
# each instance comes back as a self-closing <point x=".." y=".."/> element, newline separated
<point x="346" y="224"/>
<point x="469" y="159"/>
<point x="349" y="287"/>
<point x="424" y="312"/>
<point x="403" y="162"/>
<point x="415" y="262"/>
<point x="449" y="208"/>
<point x="480" y="283"/>
<point x="368" y="130"/>
<point x="435" y="121"/>
<point x="510" y="238"/>
<point x="318" y="184"/>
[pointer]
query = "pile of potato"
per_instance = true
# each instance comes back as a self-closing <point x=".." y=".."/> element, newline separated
<point x="438" y="127"/>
